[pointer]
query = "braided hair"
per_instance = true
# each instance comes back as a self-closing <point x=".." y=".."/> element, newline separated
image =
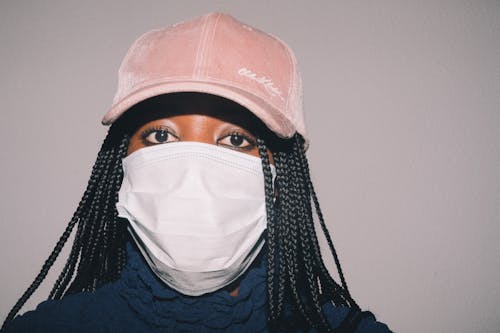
<point x="98" y="252"/>
<point x="295" y="268"/>
<point x="298" y="282"/>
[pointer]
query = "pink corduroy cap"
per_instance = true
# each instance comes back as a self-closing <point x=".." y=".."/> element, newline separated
<point x="219" y="55"/>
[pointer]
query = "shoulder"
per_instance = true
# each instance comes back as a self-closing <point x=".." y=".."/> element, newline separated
<point x="363" y="321"/>
<point x="81" y="312"/>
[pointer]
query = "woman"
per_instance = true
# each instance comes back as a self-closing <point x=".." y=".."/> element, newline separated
<point x="198" y="214"/>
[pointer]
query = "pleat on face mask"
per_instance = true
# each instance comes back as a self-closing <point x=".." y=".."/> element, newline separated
<point x="197" y="212"/>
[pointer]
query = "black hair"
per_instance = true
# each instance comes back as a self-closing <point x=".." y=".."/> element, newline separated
<point x="298" y="282"/>
<point x="297" y="275"/>
<point x="98" y="252"/>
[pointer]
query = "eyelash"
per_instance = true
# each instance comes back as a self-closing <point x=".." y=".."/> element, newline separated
<point x="148" y="131"/>
<point x="251" y="142"/>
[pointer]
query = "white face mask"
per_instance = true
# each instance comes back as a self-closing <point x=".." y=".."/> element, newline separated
<point x="197" y="212"/>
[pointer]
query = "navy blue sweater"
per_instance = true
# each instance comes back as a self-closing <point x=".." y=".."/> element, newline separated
<point x="139" y="302"/>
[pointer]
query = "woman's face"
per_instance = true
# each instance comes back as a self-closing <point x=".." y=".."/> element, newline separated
<point x="195" y="117"/>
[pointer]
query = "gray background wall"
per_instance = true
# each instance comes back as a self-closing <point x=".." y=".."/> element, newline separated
<point x="402" y="101"/>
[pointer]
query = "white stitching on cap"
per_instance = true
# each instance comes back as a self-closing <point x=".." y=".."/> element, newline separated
<point x="266" y="82"/>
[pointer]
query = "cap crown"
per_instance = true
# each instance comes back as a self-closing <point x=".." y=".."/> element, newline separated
<point x="215" y="54"/>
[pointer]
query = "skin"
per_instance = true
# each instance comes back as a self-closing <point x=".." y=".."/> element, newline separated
<point x="194" y="127"/>
<point x="196" y="117"/>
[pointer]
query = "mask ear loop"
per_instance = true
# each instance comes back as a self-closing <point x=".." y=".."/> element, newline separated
<point x="274" y="182"/>
<point x="266" y="164"/>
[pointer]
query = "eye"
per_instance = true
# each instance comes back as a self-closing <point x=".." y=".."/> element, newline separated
<point x="237" y="140"/>
<point x="154" y="136"/>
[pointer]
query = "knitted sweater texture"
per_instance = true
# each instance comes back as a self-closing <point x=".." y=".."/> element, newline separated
<point x="139" y="302"/>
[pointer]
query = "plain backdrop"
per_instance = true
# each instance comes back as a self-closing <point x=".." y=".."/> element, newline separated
<point x="402" y="102"/>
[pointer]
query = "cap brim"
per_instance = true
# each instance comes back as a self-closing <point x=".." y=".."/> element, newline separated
<point x="269" y="115"/>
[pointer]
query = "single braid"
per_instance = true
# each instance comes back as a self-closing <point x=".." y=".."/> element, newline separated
<point x="282" y="185"/>
<point x="271" y="233"/>
<point x="69" y="268"/>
